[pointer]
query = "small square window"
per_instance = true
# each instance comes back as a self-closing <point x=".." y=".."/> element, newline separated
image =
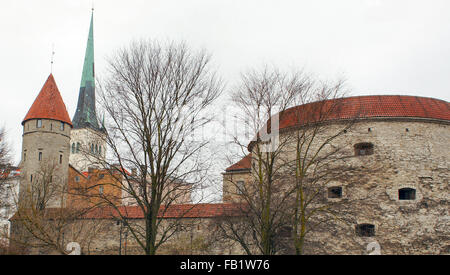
<point x="335" y="192"/>
<point x="363" y="149"/>
<point x="407" y="194"/>
<point x="365" y="230"/>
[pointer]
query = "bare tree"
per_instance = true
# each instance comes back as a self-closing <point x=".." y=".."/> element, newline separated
<point x="4" y="149"/>
<point x="5" y="188"/>
<point x="156" y="99"/>
<point x="304" y="152"/>
<point x="319" y="153"/>
<point x="260" y="97"/>
<point x="45" y="220"/>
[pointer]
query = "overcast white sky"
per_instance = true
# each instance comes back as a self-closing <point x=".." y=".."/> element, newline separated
<point x="380" y="46"/>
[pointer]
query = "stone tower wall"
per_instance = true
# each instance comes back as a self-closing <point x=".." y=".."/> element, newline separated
<point x="407" y="153"/>
<point x="53" y="143"/>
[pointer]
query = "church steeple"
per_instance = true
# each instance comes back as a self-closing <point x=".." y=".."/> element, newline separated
<point x="85" y="115"/>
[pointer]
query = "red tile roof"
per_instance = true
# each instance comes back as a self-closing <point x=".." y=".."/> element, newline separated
<point x="205" y="210"/>
<point x="382" y="106"/>
<point x="9" y="173"/>
<point x="243" y="164"/>
<point x="366" y="107"/>
<point x="173" y="211"/>
<point x="49" y="104"/>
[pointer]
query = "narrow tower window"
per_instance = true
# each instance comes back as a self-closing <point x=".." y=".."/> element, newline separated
<point x="363" y="149"/>
<point x="40" y="156"/>
<point x="73" y="148"/>
<point x="96" y="148"/>
<point x="62" y="126"/>
<point x="240" y="187"/>
<point x="60" y="159"/>
<point x="78" y="147"/>
<point x="39" y="123"/>
<point x="407" y="194"/>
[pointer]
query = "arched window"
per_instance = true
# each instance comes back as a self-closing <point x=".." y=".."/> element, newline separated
<point x="365" y="230"/>
<point x="78" y="147"/>
<point x="363" y="149"/>
<point x="100" y="149"/>
<point x="73" y="148"/>
<point x="407" y="194"/>
<point x="96" y="148"/>
<point x="92" y="148"/>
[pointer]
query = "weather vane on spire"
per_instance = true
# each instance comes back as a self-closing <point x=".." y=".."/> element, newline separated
<point x="51" y="62"/>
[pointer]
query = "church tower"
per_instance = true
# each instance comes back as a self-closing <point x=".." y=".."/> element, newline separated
<point x="45" y="149"/>
<point x="88" y="144"/>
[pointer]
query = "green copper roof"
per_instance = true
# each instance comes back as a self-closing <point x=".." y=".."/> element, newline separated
<point x="88" y="67"/>
<point x="85" y="115"/>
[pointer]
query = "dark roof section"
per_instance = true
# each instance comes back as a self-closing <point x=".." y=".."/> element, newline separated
<point x="85" y="114"/>
<point x="49" y="104"/>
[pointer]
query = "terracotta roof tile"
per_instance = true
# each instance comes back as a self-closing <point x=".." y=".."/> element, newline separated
<point x="134" y="212"/>
<point x="243" y="164"/>
<point x="49" y="104"/>
<point x="366" y="107"/>
<point x="173" y="211"/>
<point x="358" y="107"/>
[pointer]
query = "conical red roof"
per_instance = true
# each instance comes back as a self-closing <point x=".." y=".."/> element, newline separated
<point x="49" y="104"/>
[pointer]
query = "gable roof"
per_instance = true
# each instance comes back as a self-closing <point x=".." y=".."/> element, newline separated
<point x="48" y="104"/>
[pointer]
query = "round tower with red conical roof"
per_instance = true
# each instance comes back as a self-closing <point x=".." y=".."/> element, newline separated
<point x="45" y="149"/>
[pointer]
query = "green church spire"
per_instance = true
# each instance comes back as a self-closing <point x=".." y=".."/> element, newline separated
<point x="85" y="115"/>
<point x="88" y="67"/>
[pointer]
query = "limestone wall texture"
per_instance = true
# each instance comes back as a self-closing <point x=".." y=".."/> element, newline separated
<point x="194" y="236"/>
<point x="407" y="153"/>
